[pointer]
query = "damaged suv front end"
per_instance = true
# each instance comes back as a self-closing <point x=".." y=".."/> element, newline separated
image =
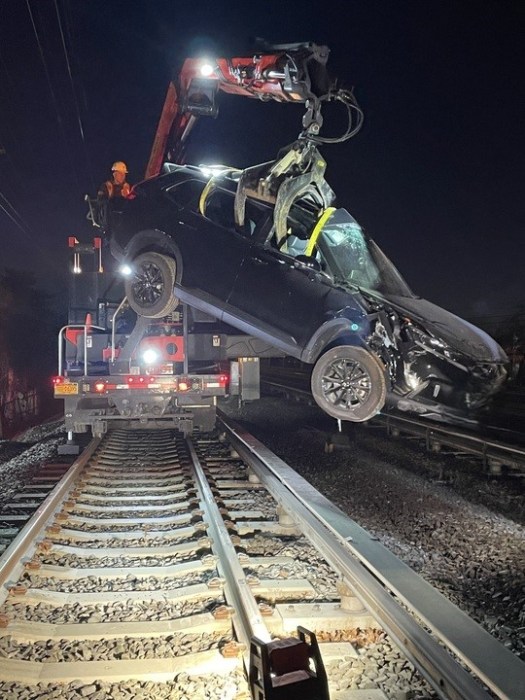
<point x="435" y="363"/>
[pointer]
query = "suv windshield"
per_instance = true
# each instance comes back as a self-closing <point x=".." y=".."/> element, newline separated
<point x="355" y="259"/>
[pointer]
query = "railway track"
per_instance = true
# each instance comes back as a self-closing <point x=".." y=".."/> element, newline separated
<point x="18" y="510"/>
<point x="156" y="562"/>
<point x="495" y="456"/>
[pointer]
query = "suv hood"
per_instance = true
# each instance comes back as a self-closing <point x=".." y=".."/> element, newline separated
<point x="455" y="331"/>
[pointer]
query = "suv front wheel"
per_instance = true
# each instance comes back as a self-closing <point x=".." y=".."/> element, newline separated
<point x="149" y="288"/>
<point x="349" y="383"/>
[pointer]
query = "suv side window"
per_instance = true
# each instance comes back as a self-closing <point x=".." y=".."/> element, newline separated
<point x="219" y="208"/>
<point x="186" y="194"/>
<point x="298" y="233"/>
<point x="258" y="220"/>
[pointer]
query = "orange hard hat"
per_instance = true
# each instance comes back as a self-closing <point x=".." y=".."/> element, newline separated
<point x="120" y="167"/>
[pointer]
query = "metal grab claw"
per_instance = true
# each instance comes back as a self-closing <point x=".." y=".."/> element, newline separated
<point x="298" y="173"/>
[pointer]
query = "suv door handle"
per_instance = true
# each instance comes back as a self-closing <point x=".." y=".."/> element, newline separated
<point x="263" y="257"/>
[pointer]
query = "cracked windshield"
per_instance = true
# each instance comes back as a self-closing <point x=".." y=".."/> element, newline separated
<point x="355" y="259"/>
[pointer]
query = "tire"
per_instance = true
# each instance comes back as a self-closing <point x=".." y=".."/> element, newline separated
<point x="150" y="288"/>
<point x="349" y="383"/>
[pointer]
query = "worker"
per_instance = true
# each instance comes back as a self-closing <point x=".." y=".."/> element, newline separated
<point x="117" y="186"/>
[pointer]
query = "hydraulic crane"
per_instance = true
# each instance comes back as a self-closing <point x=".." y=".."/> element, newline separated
<point x="102" y="374"/>
<point x="285" y="73"/>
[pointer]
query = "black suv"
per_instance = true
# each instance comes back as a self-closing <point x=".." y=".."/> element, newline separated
<point x="325" y="294"/>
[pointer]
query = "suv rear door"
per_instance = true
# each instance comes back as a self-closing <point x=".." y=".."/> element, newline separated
<point x="276" y="293"/>
<point x="211" y="250"/>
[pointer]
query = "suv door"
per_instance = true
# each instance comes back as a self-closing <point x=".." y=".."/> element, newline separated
<point x="211" y="249"/>
<point x="277" y="293"/>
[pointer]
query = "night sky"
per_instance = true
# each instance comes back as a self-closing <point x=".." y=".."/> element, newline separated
<point x="435" y="175"/>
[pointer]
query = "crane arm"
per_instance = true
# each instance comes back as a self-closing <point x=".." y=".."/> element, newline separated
<point x="289" y="73"/>
<point x="284" y="73"/>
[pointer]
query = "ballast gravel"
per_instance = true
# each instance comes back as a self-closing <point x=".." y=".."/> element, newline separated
<point x="470" y="552"/>
<point x="183" y="687"/>
<point x="129" y="560"/>
<point x="128" y="611"/>
<point x="111" y="649"/>
<point x="94" y="527"/>
<point x="94" y="584"/>
<point x="171" y="538"/>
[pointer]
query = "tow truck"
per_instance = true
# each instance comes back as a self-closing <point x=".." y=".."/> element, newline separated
<point x="169" y="372"/>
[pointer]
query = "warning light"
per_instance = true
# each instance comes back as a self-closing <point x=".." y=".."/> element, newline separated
<point x="137" y="381"/>
<point x="57" y="380"/>
<point x="223" y="379"/>
<point x="100" y="386"/>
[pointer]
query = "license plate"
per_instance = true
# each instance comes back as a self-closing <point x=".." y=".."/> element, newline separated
<point x="66" y="389"/>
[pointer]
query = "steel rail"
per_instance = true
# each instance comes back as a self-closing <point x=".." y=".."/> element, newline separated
<point x="452" y="437"/>
<point x="13" y="560"/>
<point x="374" y="574"/>
<point x="247" y="618"/>
<point x="486" y="448"/>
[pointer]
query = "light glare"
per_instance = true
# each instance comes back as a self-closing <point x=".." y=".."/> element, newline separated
<point x="206" y="69"/>
<point x="125" y="270"/>
<point x="212" y="170"/>
<point x="149" y="356"/>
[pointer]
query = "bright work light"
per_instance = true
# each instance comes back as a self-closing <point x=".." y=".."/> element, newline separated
<point x="125" y="270"/>
<point x="206" y="69"/>
<point x="150" y="356"/>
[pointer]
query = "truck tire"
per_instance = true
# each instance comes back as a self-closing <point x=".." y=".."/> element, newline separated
<point x="349" y="383"/>
<point x="149" y="288"/>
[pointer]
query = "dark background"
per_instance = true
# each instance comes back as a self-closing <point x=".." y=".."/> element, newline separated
<point x="435" y="175"/>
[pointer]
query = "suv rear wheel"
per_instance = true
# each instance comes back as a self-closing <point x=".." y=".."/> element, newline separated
<point x="349" y="383"/>
<point x="149" y="288"/>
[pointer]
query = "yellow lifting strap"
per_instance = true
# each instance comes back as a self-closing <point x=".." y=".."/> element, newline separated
<point x="204" y="195"/>
<point x="210" y="185"/>
<point x="327" y="213"/>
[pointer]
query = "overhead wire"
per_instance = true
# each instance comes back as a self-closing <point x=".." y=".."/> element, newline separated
<point x="14" y="210"/>
<point x="51" y="90"/>
<point x="6" y="96"/>
<point x="7" y="208"/>
<point x="15" y="173"/>
<point x="44" y="63"/>
<point x="21" y="224"/>
<point x="75" y="97"/>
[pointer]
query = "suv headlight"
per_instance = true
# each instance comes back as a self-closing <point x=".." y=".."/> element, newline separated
<point x="437" y="346"/>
